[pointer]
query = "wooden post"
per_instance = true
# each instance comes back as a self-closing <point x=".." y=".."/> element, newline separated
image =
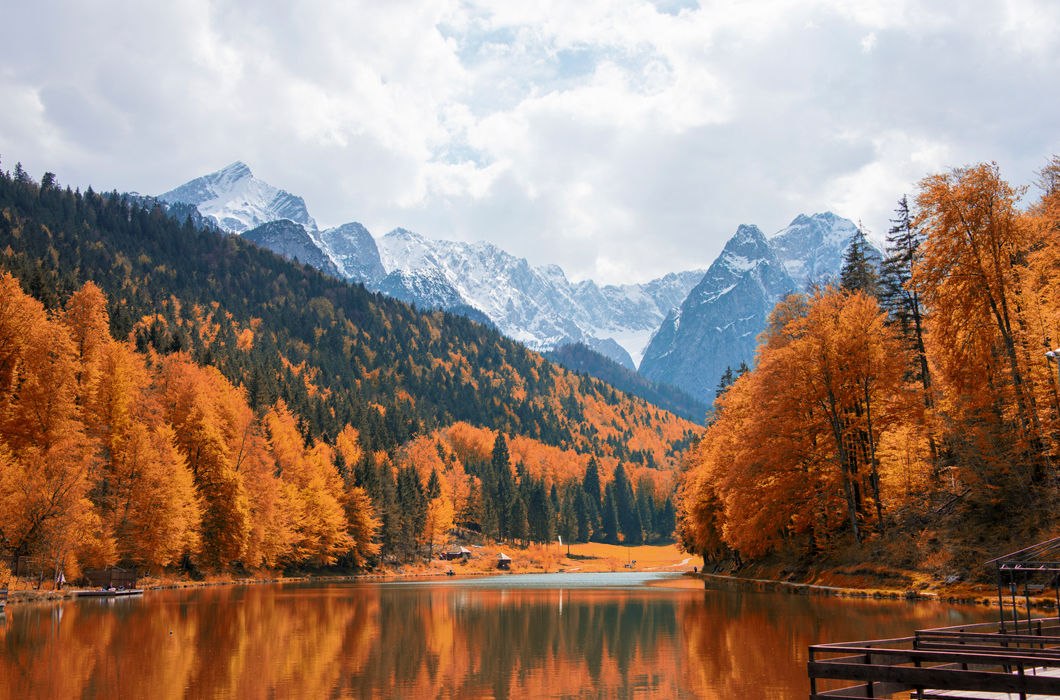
<point x="1001" y="600"/>
<point x="1015" y="610"/>
<point x="1027" y="599"/>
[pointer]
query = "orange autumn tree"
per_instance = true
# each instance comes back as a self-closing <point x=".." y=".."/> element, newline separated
<point x="142" y="486"/>
<point x="45" y="455"/>
<point x="362" y="523"/>
<point x="314" y="488"/>
<point x="1041" y="292"/>
<point x="212" y="423"/>
<point x="973" y="278"/>
<point x="793" y="448"/>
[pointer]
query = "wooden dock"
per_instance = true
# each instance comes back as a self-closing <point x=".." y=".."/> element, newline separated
<point x="108" y="592"/>
<point x="1014" y="657"/>
<point x="975" y="661"/>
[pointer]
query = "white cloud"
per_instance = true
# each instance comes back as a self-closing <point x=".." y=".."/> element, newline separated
<point x="619" y="139"/>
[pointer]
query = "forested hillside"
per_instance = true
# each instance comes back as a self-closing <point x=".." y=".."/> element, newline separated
<point x="274" y="408"/>
<point x="912" y="413"/>
<point x="579" y="357"/>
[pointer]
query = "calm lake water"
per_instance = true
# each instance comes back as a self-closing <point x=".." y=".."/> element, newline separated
<point x="543" y="636"/>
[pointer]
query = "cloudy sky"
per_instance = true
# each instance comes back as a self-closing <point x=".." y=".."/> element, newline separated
<point x="621" y="139"/>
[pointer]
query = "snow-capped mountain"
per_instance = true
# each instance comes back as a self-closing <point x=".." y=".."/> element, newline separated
<point x="237" y="202"/>
<point x="717" y="326"/>
<point x="812" y="247"/>
<point x="718" y="322"/>
<point x="538" y="306"/>
<point x="354" y="252"/>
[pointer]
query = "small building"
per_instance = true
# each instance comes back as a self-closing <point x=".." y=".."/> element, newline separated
<point x="462" y="553"/>
<point x="111" y="577"/>
<point x="504" y="562"/>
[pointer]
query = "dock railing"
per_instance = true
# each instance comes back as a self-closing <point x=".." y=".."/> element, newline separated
<point x="1015" y="655"/>
<point x="933" y="662"/>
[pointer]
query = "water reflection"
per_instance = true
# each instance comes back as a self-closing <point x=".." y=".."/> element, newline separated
<point x="446" y="639"/>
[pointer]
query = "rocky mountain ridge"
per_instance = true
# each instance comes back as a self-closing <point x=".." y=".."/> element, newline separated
<point x="683" y="329"/>
<point x="717" y="325"/>
<point x="537" y="306"/>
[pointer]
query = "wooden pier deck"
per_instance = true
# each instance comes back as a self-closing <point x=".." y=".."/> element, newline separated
<point x="108" y="592"/>
<point x="974" y="661"/>
<point x="1013" y="658"/>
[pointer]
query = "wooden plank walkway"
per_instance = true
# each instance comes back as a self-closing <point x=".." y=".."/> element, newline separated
<point x="970" y="662"/>
<point x="1050" y="672"/>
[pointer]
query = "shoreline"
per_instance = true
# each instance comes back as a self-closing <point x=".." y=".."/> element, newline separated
<point x="592" y="559"/>
<point x="969" y="594"/>
<point x="710" y="580"/>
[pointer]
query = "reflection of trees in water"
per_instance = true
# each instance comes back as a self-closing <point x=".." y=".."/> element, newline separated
<point x="422" y="641"/>
<point x="503" y="643"/>
<point x="742" y="642"/>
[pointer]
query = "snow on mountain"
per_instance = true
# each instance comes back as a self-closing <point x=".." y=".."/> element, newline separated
<point x="538" y="306"/>
<point x="237" y="201"/>
<point x="718" y="324"/>
<point x="812" y="247"/>
<point x="353" y="250"/>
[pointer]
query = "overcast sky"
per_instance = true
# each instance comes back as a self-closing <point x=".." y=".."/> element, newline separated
<point x="621" y="139"/>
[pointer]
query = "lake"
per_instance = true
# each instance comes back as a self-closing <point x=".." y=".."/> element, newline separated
<point x="618" y="635"/>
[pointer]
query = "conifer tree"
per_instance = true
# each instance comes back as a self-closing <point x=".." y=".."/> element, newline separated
<point x="567" y="518"/>
<point x="626" y="506"/>
<point x="609" y="518"/>
<point x="900" y="297"/>
<point x="592" y="490"/>
<point x="412" y="505"/>
<point x="858" y="272"/>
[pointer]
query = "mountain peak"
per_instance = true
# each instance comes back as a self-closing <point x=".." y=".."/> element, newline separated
<point x="234" y="171"/>
<point x="812" y="247"/>
<point x="745" y="249"/>
<point x="237" y="201"/>
<point x="353" y="250"/>
<point x="404" y="234"/>
<point x="747" y="234"/>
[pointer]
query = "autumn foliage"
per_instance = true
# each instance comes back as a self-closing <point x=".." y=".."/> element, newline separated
<point x="111" y="455"/>
<point x="929" y="404"/>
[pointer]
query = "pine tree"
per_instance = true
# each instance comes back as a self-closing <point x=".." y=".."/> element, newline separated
<point x="901" y="298"/>
<point x="583" y="515"/>
<point x="567" y="517"/>
<point x="412" y="502"/>
<point x="626" y="506"/>
<point x="594" y="504"/>
<point x="609" y="518"/>
<point x="727" y="378"/>
<point x="858" y="272"/>
<point x="519" y="526"/>
<point x="646" y="507"/>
